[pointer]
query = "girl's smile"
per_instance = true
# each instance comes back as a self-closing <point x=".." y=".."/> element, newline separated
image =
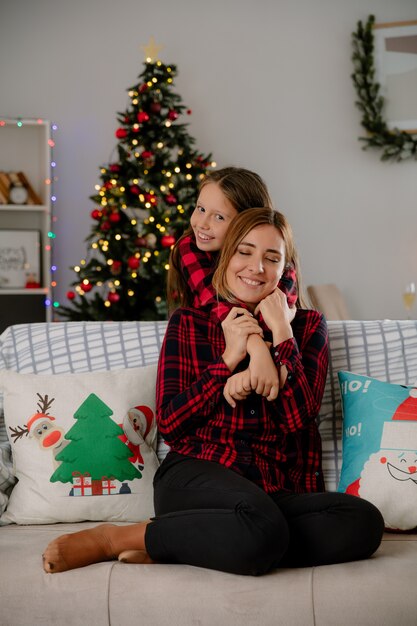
<point x="211" y="218"/>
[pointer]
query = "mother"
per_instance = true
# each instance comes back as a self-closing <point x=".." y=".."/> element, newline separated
<point x="241" y="489"/>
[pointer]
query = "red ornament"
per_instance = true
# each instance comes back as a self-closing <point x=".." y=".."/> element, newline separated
<point x="167" y="241"/>
<point x="96" y="214"/>
<point x="116" y="268"/>
<point x="143" y="88"/>
<point x="115" y="217"/>
<point x="70" y="295"/>
<point x="172" y="115"/>
<point x="121" y="133"/>
<point x="105" y="226"/>
<point x="113" y="297"/>
<point x="155" y="107"/>
<point x="142" y="117"/>
<point x="146" y="154"/>
<point x="135" y="190"/>
<point x="140" y="242"/>
<point x="114" y="167"/>
<point x="170" y="199"/>
<point x="151" y="198"/>
<point x="133" y="262"/>
<point x="108" y="185"/>
<point x="86" y="288"/>
<point x="189" y="111"/>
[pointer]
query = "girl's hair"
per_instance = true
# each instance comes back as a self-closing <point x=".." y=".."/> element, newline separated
<point x="244" y="189"/>
<point x="238" y="229"/>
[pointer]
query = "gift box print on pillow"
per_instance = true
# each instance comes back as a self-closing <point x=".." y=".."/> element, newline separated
<point x="380" y="446"/>
<point x="83" y="445"/>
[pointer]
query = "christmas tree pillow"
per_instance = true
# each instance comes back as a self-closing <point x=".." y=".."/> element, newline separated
<point x="83" y="445"/>
<point x="380" y="447"/>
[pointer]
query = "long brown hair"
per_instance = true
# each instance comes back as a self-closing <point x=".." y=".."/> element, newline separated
<point x="238" y="230"/>
<point x="244" y="189"/>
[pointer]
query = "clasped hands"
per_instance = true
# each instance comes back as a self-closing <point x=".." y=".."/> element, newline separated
<point x="243" y="335"/>
<point x="241" y="384"/>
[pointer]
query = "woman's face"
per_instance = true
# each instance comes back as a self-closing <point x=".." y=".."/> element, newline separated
<point x="256" y="267"/>
<point x="211" y="218"/>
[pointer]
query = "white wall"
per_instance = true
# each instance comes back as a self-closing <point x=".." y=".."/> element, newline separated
<point x="270" y="89"/>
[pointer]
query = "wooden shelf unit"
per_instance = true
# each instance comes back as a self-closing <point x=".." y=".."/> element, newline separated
<point x="25" y="146"/>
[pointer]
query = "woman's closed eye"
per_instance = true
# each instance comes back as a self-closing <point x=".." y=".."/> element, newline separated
<point x="271" y="259"/>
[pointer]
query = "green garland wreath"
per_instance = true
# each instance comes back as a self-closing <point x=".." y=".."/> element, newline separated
<point x="396" y="145"/>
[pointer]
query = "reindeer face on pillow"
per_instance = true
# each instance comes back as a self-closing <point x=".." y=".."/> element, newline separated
<point x="43" y="428"/>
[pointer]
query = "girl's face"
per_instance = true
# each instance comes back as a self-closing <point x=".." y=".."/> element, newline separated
<point x="256" y="267"/>
<point x="211" y="218"/>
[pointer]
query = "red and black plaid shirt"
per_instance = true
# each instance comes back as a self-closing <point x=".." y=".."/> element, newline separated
<point x="279" y="439"/>
<point x="198" y="268"/>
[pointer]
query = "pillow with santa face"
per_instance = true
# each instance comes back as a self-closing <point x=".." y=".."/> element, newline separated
<point x="380" y="446"/>
<point x="83" y="445"/>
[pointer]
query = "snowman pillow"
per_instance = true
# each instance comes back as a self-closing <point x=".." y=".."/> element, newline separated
<point x="380" y="447"/>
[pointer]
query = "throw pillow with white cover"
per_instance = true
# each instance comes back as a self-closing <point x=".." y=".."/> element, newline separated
<point x="83" y="445"/>
<point x="380" y="446"/>
<point x="7" y="478"/>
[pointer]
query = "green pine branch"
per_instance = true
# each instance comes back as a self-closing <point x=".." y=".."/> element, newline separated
<point x="396" y="145"/>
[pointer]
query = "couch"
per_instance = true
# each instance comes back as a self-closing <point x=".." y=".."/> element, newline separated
<point x="379" y="591"/>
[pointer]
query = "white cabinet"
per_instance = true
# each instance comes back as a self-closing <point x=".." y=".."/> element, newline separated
<point x="25" y="229"/>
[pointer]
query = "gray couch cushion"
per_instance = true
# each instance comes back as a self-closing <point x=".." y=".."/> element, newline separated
<point x="380" y="590"/>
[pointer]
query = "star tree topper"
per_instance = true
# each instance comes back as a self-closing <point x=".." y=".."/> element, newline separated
<point x="151" y="50"/>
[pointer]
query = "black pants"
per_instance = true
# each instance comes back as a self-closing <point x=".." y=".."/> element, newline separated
<point x="209" y="516"/>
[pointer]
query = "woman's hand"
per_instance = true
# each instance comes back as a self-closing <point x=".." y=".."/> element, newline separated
<point x="237" y="327"/>
<point x="238" y="387"/>
<point x="277" y="315"/>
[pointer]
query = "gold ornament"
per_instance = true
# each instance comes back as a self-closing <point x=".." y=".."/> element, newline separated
<point x="151" y="50"/>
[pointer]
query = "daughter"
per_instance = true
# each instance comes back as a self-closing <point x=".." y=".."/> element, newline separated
<point x="223" y="194"/>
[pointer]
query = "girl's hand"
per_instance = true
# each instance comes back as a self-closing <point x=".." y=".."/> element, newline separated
<point x="237" y="387"/>
<point x="237" y="327"/>
<point x="277" y="315"/>
<point x="263" y="371"/>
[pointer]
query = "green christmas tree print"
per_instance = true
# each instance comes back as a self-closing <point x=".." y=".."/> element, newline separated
<point x="95" y="447"/>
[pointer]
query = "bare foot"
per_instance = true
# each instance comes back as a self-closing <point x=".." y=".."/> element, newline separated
<point x="135" y="556"/>
<point x="79" y="549"/>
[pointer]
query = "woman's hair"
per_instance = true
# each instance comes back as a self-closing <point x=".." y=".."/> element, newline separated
<point x="238" y="229"/>
<point x="244" y="189"/>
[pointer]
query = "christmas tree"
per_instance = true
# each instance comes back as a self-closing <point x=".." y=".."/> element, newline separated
<point x="95" y="447"/>
<point x="142" y="205"/>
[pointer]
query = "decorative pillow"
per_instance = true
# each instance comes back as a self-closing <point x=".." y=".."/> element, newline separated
<point x="7" y="479"/>
<point x="83" y="445"/>
<point x="380" y="446"/>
